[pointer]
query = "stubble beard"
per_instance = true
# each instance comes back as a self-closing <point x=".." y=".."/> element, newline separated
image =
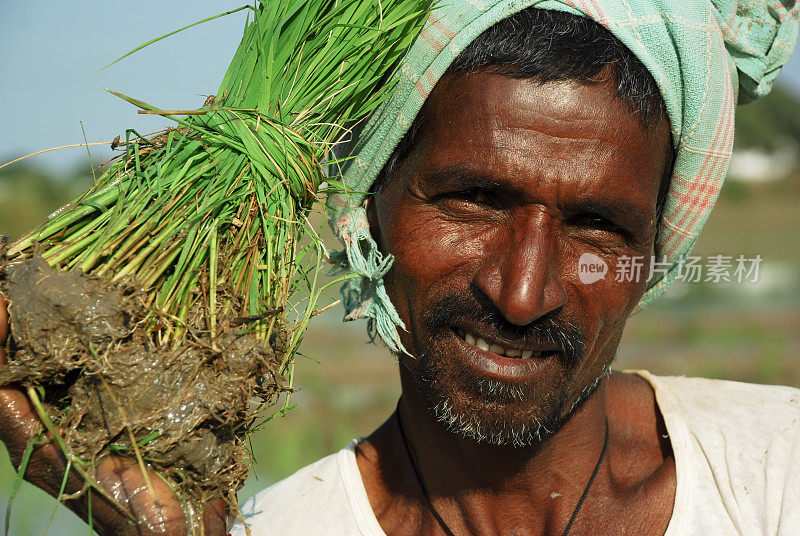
<point x="493" y="412"/>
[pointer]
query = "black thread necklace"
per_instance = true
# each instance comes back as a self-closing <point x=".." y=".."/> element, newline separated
<point x="436" y="513"/>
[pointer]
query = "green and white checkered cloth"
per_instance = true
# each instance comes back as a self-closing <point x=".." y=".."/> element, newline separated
<point x="704" y="55"/>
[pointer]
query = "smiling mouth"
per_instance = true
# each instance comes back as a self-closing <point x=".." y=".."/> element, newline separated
<point x="513" y="353"/>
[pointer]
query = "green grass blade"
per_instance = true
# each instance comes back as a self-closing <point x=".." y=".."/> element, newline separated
<point x="23" y="466"/>
<point x="89" y="511"/>
<point x="140" y="47"/>
<point x="58" y="498"/>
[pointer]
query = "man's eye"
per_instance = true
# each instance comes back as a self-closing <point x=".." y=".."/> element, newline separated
<point x="470" y="196"/>
<point x="594" y="221"/>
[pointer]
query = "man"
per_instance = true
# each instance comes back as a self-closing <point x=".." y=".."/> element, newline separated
<point x="545" y="139"/>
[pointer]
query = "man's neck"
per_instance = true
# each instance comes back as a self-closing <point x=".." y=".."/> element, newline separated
<point x="486" y="489"/>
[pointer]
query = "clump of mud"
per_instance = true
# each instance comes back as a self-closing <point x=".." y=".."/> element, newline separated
<point x="90" y="345"/>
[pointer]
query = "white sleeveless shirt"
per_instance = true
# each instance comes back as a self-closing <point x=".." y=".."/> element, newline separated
<point x="737" y="460"/>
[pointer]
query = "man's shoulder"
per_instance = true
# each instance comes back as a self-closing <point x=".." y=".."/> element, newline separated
<point x="737" y="454"/>
<point x="729" y="402"/>
<point x="743" y="421"/>
<point x="313" y="500"/>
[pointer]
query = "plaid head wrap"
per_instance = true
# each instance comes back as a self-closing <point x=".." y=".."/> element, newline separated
<point x="705" y="55"/>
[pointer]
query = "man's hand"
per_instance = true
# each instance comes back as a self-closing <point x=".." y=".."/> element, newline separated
<point x="120" y="477"/>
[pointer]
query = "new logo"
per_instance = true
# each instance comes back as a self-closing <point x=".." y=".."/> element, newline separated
<point x="591" y="268"/>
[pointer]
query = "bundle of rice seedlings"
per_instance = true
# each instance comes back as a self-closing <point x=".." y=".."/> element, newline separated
<point x="157" y="315"/>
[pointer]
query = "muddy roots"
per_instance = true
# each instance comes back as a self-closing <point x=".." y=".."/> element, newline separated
<point x="89" y="345"/>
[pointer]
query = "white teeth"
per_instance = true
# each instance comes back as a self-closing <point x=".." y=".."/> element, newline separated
<point x="472" y="339"/>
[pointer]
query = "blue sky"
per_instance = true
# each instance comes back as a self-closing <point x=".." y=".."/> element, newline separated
<point x="51" y="53"/>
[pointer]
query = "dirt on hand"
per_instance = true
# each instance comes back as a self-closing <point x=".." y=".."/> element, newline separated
<point x="89" y="348"/>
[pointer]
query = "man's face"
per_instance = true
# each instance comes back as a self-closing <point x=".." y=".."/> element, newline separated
<point x="510" y="182"/>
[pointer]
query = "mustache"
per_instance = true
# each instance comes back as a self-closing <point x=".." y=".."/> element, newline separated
<point x="549" y="330"/>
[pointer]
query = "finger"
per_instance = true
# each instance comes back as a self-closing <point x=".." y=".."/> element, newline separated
<point x="215" y="517"/>
<point x="18" y="421"/>
<point x="162" y="516"/>
<point x="150" y="500"/>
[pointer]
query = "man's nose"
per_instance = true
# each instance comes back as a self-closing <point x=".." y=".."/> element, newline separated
<point x="520" y="272"/>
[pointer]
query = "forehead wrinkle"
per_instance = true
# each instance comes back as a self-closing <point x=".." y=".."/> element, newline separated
<point x="581" y="169"/>
<point x="584" y="169"/>
<point x="513" y="130"/>
<point x="500" y="112"/>
<point x="563" y="104"/>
